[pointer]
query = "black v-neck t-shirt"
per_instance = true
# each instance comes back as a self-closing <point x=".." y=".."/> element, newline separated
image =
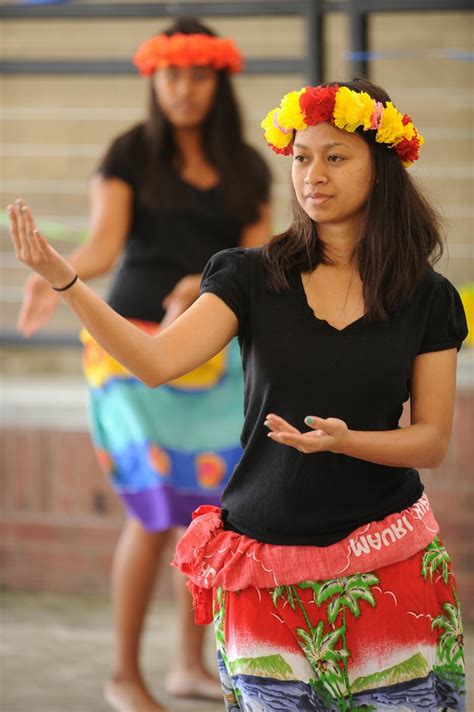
<point x="297" y="365"/>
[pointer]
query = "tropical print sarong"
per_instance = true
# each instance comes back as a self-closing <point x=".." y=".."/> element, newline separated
<point x="170" y="449"/>
<point x="389" y="639"/>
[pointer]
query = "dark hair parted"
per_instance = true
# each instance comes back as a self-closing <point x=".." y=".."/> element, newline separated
<point x="400" y="238"/>
<point x="244" y="175"/>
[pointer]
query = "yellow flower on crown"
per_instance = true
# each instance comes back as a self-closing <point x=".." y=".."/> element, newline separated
<point x="352" y="109"/>
<point x="290" y="115"/>
<point x="409" y="132"/>
<point x="273" y="135"/>
<point x="391" y="129"/>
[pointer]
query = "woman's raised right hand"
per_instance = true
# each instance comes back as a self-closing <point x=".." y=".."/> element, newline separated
<point x="33" y="250"/>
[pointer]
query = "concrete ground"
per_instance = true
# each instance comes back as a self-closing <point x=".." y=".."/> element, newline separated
<point x="56" y="651"/>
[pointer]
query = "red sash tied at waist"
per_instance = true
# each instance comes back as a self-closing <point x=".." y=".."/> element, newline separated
<point x="212" y="557"/>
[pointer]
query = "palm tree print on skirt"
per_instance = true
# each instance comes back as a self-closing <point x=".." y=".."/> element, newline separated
<point x="384" y="640"/>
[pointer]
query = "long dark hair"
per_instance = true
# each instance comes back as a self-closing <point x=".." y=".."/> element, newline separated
<point x="401" y="237"/>
<point x="244" y="176"/>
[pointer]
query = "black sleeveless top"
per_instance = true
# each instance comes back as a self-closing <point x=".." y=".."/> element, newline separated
<point x="163" y="245"/>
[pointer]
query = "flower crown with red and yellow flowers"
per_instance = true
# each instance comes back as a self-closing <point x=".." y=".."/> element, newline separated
<point x="193" y="50"/>
<point x="345" y="109"/>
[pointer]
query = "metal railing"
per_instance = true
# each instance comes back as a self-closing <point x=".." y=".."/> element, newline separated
<point x="312" y="63"/>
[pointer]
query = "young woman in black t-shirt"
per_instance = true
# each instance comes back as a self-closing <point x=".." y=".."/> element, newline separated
<point x="167" y="195"/>
<point x="324" y="574"/>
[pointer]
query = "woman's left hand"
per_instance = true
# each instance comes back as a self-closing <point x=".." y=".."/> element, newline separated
<point x="185" y="292"/>
<point x="327" y="434"/>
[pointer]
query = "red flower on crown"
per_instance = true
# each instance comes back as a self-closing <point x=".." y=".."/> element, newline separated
<point x="286" y="151"/>
<point x="317" y="104"/>
<point x="408" y="150"/>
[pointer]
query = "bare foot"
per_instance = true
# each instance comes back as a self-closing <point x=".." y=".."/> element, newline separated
<point x="130" y="695"/>
<point x="198" y="683"/>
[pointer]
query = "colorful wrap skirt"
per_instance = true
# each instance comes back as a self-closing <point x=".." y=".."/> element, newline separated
<point x="370" y="623"/>
<point x="170" y="449"/>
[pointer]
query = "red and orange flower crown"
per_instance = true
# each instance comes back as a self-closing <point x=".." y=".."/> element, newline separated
<point x="182" y="50"/>
<point x="345" y="109"/>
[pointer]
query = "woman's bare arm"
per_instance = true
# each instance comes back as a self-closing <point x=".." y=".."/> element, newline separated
<point x="196" y="336"/>
<point x="424" y="443"/>
<point x="191" y="340"/>
<point x="111" y="201"/>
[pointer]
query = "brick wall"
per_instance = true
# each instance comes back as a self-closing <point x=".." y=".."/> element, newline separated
<point x="450" y="489"/>
<point x="59" y="518"/>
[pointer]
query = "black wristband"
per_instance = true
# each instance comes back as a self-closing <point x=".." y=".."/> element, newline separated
<point x="63" y="289"/>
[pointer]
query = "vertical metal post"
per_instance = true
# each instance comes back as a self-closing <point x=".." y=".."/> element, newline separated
<point x="359" y="41"/>
<point x="314" y="42"/>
